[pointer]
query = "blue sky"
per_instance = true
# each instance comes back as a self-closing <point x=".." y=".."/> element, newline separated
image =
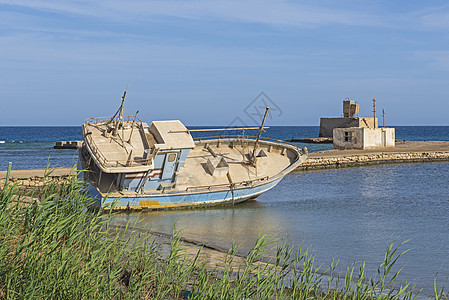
<point x="204" y="61"/>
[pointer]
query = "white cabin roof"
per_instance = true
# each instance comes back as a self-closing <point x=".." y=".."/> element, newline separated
<point x="171" y="135"/>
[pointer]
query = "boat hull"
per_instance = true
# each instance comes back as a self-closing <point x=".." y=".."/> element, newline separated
<point x="173" y="200"/>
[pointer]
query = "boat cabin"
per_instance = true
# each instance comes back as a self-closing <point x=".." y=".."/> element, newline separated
<point x="133" y="157"/>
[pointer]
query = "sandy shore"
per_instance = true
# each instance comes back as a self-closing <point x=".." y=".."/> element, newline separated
<point x="35" y="173"/>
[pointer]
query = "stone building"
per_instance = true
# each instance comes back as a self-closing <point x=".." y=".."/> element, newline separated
<point x="350" y="119"/>
<point x="354" y="132"/>
<point x="363" y="138"/>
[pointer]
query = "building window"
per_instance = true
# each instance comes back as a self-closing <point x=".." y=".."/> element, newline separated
<point x="348" y="136"/>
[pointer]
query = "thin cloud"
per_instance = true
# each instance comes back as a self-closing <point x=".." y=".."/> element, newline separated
<point x="436" y="17"/>
<point x="262" y="11"/>
<point x="435" y="21"/>
<point x="269" y="12"/>
<point x="437" y="60"/>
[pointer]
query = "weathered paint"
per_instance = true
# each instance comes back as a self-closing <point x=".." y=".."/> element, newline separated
<point x="148" y="202"/>
<point x="363" y="138"/>
<point x="171" y="200"/>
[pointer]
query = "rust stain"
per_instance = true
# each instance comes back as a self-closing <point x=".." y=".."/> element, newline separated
<point x="148" y="202"/>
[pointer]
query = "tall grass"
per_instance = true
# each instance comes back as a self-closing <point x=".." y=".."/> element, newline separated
<point x="55" y="249"/>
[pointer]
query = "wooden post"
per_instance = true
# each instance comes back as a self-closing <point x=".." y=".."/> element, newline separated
<point x="119" y="112"/>
<point x="129" y="161"/>
<point x="253" y="156"/>
<point x="231" y="186"/>
<point x="132" y="128"/>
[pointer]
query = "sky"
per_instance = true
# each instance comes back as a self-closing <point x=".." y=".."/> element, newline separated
<point x="209" y="62"/>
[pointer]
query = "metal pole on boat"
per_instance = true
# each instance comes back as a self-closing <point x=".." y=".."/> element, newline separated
<point x="120" y="112"/>
<point x="129" y="160"/>
<point x="132" y="127"/>
<point x="123" y="99"/>
<point x="253" y="156"/>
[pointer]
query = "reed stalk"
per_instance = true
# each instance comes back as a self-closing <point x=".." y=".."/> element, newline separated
<point x="55" y="248"/>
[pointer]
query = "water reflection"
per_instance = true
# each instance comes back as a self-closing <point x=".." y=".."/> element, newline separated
<point x="214" y="226"/>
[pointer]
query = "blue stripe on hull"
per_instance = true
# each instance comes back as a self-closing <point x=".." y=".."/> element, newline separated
<point x="173" y="200"/>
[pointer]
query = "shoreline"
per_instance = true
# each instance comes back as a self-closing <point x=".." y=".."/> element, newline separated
<point x="403" y="152"/>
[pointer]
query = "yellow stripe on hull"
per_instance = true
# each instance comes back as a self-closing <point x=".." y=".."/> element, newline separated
<point x="148" y="202"/>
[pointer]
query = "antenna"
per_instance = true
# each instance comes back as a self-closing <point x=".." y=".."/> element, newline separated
<point x="383" y="117"/>
<point x="374" y="111"/>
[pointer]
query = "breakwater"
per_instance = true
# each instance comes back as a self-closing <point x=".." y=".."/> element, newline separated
<point x="360" y="160"/>
<point x="36" y="177"/>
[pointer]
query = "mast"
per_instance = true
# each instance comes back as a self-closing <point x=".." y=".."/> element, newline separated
<point x="120" y="114"/>
<point x="253" y="156"/>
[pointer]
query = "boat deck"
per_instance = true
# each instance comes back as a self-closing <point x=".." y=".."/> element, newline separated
<point x="195" y="172"/>
<point x="113" y="153"/>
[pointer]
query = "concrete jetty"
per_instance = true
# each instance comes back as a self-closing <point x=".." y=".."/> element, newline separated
<point x="68" y="144"/>
<point x="403" y="152"/>
<point x="318" y="140"/>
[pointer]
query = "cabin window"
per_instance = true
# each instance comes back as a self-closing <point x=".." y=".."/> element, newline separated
<point x="348" y="136"/>
<point x="172" y="157"/>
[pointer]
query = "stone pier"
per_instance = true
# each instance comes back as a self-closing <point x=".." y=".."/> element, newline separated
<point x="404" y="152"/>
<point x="35" y="177"/>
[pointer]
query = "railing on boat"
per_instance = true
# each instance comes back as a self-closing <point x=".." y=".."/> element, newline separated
<point x="241" y="183"/>
<point x="301" y="154"/>
<point x="107" y="119"/>
<point x="100" y="156"/>
<point x="249" y="138"/>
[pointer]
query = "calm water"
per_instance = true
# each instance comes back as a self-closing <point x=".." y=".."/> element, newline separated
<point x="350" y="214"/>
<point x="32" y="147"/>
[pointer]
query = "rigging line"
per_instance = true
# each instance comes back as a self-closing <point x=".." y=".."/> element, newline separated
<point x="244" y="162"/>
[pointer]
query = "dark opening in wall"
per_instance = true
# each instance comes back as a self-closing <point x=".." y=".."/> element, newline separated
<point x="348" y="136"/>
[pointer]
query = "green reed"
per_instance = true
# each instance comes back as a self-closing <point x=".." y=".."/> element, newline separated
<point x="54" y="249"/>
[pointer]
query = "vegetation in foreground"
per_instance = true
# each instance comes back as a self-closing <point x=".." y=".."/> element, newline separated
<point x="55" y="249"/>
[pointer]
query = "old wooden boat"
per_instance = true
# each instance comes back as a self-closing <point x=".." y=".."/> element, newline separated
<point x="128" y="164"/>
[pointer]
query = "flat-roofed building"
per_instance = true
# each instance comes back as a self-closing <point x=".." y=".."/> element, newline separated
<point x="363" y="138"/>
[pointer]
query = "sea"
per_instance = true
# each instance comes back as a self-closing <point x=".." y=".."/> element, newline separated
<point x="351" y="215"/>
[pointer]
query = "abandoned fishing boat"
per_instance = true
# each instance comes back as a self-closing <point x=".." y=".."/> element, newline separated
<point x="127" y="164"/>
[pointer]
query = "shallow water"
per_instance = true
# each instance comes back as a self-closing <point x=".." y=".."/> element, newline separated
<point x="350" y="214"/>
